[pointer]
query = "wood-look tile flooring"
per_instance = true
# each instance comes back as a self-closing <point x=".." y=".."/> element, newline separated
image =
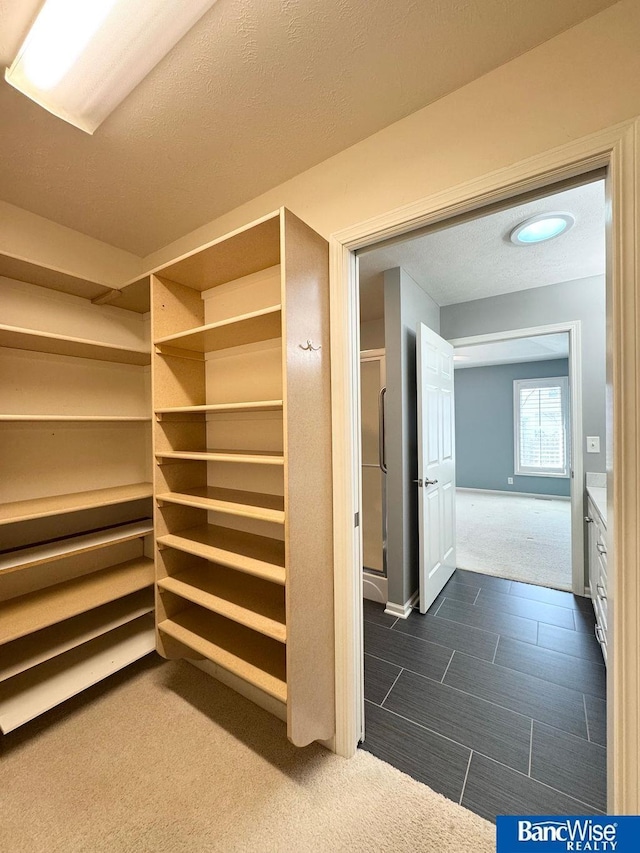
<point x="495" y="697"/>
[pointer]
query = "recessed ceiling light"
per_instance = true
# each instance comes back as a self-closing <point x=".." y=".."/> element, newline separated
<point x="542" y="227"/>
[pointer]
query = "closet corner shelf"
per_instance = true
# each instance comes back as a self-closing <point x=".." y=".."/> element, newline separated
<point x="262" y="325"/>
<point x="231" y="502"/>
<point x="254" y="603"/>
<point x="75" y="502"/>
<point x="44" y="686"/>
<point x="25" y="558"/>
<point x="48" y="342"/>
<point x="73" y="419"/>
<point x="255" y="658"/>
<point x="47" y="643"/>
<point x="222" y="408"/>
<point x="250" y="457"/>
<point x="45" y="607"/>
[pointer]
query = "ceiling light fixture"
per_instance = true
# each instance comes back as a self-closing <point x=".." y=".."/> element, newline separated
<point x="544" y="226"/>
<point x="81" y="58"/>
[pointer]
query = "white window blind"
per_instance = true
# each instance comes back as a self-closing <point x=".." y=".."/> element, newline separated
<point x="541" y="426"/>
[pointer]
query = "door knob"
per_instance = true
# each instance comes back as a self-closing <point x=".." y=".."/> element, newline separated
<point x="419" y="482"/>
<point x="430" y="483"/>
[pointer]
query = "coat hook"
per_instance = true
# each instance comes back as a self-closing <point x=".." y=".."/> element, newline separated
<point x="309" y="347"/>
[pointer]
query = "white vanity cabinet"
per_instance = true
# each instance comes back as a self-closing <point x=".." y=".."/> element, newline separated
<point x="596" y="520"/>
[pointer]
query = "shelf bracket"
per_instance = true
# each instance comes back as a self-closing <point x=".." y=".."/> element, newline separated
<point x="105" y="298"/>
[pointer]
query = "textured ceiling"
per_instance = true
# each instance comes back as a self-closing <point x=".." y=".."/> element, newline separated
<point x="476" y="259"/>
<point x="539" y="348"/>
<point x="254" y="94"/>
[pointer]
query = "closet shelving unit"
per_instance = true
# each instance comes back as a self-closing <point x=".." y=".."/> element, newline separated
<point x="242" y="481"/>
<point x="76" y="568"/>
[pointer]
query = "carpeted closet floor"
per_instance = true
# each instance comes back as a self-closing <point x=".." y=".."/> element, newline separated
<point x="163" y="759"/>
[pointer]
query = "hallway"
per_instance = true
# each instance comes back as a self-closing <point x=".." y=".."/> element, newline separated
<point x="495" y="697"/>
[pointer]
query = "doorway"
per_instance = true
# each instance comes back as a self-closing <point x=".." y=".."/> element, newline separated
<point x="466" y="650"/>
<point x="518" y="394"/>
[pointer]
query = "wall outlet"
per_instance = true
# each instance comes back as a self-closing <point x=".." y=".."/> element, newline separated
<point x="593" y="444"/>
<point x="510" y="481"/>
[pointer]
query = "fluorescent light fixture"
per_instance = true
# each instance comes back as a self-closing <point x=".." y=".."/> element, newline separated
<point x="542" y="227"/>
<point x="81" y="58"/>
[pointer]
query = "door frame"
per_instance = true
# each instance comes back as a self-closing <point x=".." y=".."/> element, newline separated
<point x="574" y="331"/>
<point x="615" y="149"/>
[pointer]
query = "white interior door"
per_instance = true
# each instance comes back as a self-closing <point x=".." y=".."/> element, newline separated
<point x="436" y="464"/>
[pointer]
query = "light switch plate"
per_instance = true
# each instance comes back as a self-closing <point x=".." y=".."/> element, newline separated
<point x="593" y="444"/>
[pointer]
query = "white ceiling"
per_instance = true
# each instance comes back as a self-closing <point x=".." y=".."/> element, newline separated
<point x="476" y="259"/>
<point x="254" y="94"/>
<point x="540" y="348"/>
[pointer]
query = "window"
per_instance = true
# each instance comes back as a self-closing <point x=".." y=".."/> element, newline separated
<point x="541" y="415"/>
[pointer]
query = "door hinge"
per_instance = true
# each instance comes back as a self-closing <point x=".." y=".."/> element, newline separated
<point x="356" y="520"/>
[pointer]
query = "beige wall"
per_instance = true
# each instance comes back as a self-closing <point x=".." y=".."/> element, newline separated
<point x="581" y="81"/>
<point x="32" y="238"/>
<point x="372" y="334"/>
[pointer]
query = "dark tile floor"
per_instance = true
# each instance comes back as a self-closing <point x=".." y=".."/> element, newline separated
<point x="495" y="697"/>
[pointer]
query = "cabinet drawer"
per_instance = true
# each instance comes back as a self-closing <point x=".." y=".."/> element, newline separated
<point x="600" y="610"/>
<point x="601" y="597"/>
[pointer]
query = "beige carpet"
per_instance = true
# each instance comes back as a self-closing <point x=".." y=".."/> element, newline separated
<point x="513" y="536"/>
<point x="163" y="758"/>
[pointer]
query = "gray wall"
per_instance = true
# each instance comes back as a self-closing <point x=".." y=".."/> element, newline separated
<point x="405" y="305"/>
<point x="582" y="300"/>
<point x="484" y="427"/>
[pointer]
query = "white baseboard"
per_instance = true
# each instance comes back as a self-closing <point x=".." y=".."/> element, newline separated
<point x="402" y="611"/>
<point x="517" y="494"/>
<point x="375" y="587"/>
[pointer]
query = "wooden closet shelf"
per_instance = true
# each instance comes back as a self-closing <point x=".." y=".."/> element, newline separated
<point x="24" y="558"/>
<point x="37" y="690"/>
<point x="249" y="457"/>
<point x="34" y="649"/>
<point x="256" y="659"/>
<point x="230" y="501"/>
<point x="75" y="502"/>
<point x="262" y="325"/>
<point x="35" y="610"/>
<point x="247" y="250"/>
<point x="74" y="418"/>
<point x="36" y="341"/>
<point x="221" y="408"/>
<point x="252" y="602"/>
<point x="254" y="555"/>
